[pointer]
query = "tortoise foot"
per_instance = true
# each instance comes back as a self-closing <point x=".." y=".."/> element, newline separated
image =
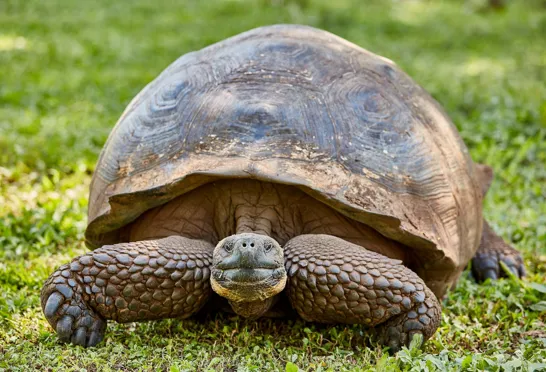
<point x="487" y="265"/>
<point x="67" y="312"/>
<point x="333" y="281"/>
<point x="422" y="320"/>
<point x="493" y="250"/>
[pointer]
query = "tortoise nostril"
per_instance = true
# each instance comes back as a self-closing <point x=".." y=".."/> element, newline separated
<point x="252" y="245"/>
<point x="244" y="245"/>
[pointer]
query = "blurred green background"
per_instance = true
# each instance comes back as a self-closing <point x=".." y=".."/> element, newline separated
<point x="69" y="68"/>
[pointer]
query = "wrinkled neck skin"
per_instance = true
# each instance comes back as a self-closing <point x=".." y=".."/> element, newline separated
<point x="253" y="309"/>
<point x="248" y="222"/>
<point x="248" y="267"/>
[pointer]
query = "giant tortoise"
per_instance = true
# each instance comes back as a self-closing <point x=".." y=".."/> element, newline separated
<point x="282" y="168"/>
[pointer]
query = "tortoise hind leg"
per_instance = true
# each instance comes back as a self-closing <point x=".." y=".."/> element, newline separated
<point x="333" y="281"/>
<point x="127" y="282"/>
<point x="492" y="251"/>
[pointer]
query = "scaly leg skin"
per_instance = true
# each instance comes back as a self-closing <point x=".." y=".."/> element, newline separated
<point x="493" y="250"/>
<point x="333" y="281"/>
<point x="127" y="282"/>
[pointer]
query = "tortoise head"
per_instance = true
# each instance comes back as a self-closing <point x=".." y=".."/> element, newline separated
<point x="248" y="270"/>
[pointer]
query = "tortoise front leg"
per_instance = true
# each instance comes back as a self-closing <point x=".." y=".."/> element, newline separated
<point x="333" y="281"/>
<point x="127" y="282"/>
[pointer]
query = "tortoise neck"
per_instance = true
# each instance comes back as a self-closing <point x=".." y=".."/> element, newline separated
<point x="249" y="220"/>
<point x="253" y="309"/>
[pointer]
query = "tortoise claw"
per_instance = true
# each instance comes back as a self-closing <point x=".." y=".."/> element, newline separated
<point x="53" y="303"/>
<point x="64" y="327"/>
<point x="94" y="338"/>
<point x="490" y="274"/>
<point x="79" y="337"/>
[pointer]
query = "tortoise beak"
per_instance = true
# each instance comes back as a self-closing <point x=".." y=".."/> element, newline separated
<point x="248" y="267"/>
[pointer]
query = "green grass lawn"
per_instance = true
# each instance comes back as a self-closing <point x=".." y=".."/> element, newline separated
<point x="67" y="70"/>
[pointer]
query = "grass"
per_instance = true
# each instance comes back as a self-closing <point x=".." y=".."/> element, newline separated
<point x="68" y="69"/>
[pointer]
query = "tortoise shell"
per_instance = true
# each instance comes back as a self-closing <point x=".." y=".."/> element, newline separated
<point x="300" y="106"/>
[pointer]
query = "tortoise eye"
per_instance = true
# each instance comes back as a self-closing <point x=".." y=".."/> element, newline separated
<point x="268" y="247"/>
<point x="228" y="247"/>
